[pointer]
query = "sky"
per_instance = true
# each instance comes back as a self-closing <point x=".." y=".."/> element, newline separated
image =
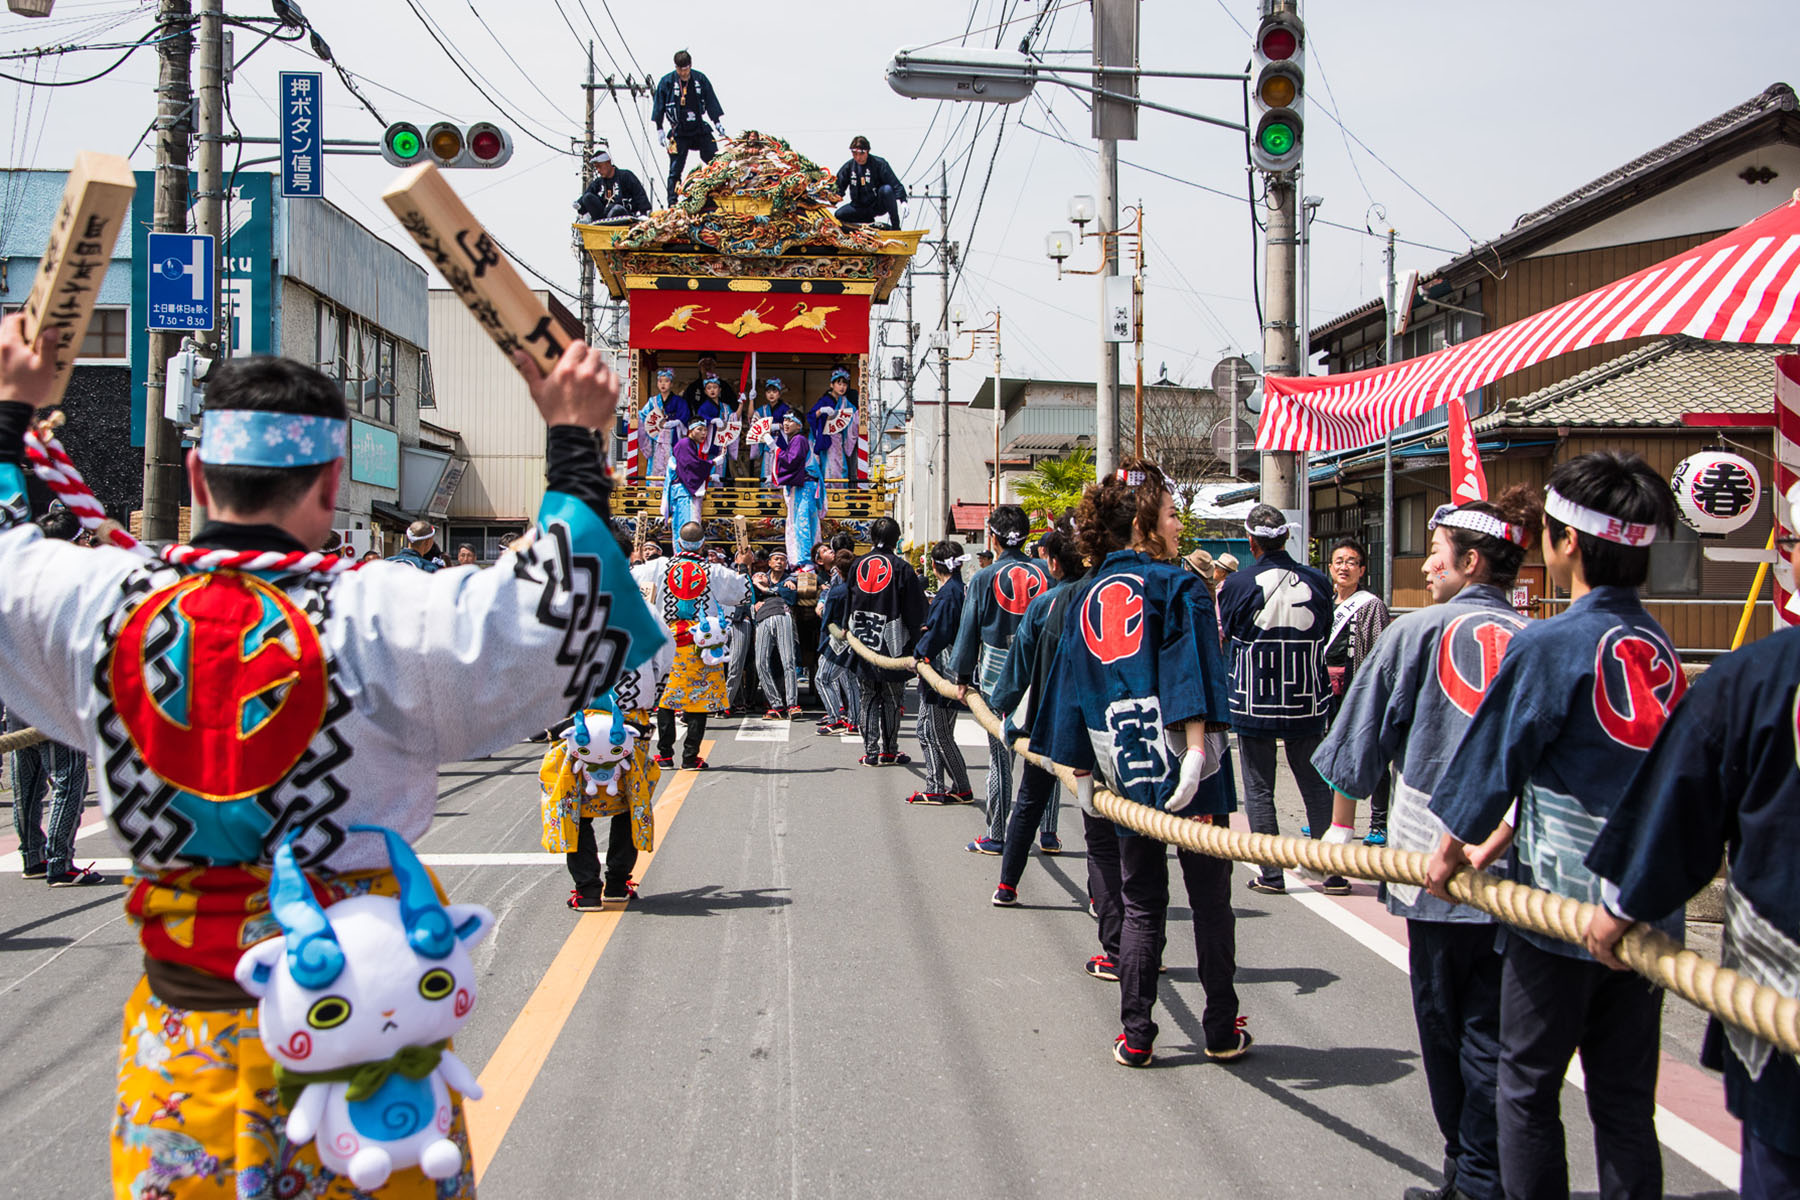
<point x="1450" y="121"/>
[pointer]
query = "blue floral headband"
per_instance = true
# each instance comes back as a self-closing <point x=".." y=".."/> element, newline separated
<point x="774" y="383"/>
<point x="665" y="373"/>
<point x="239" y="437"/>
<point x="838" y="374"/>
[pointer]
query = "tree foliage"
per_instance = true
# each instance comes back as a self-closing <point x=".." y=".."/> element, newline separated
<point x="1055" y="485"/>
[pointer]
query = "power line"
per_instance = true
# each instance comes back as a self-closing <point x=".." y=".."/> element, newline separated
<point x="119" y="62"/>
<point x="455" y="62"/>
<point x="990" y="28"/>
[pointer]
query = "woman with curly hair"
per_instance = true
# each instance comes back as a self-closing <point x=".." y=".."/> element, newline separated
<point x="1139" y="707"/>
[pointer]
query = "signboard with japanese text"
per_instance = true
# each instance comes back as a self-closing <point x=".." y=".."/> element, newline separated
<point x="667" y="319"/>
<point x="302" y="131"/>
<point x="374" y="455"/>
<point x="246" y="269"/>
<point x="180" y="282"/>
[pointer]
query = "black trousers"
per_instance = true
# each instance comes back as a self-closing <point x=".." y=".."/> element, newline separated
<point x="702" y="140"/>
<point x="1102" y="838"/>
<point x="1456" y="1003"/>
<point x="665" y="735"/>
<point x="1038" y="790"/>
<point x="1144" y="881"/>
<point x="584" y="860"/>
<point x="886" y="201"/>
<point x="1768" y="1173"/>
<point x="881" y="706"/>
<point x="1552" y="1006"/>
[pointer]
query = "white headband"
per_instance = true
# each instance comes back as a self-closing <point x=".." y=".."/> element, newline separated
<point x="1476" y="521"/>
<point x="1270" y="532"/>
<point x="950" y="564"/>
<point x="1610" y="529"/>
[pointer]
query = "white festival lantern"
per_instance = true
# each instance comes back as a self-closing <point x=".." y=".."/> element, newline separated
<point x="1716" y="491"/>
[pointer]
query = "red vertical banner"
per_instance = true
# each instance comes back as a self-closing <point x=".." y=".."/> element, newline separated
<point x="1467" y="480"/>
<point x="1787" y="471"/>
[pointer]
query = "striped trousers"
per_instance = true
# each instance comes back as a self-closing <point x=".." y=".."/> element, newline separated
<point x="776" y="635"/>
<point x="881" y="704"/>
<point x="945" y="770"/>
<point x="837" y="690"/>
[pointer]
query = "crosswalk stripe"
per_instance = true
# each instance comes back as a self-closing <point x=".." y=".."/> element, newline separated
<point x="968" y="733"/>
<point x="755" y="729"/>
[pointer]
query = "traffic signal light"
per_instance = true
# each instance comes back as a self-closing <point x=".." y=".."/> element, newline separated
<point x="447" y="144"/>
<point x="1278" y="88"/>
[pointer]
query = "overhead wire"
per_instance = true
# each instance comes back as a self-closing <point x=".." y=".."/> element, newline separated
<point x="504" y="109"/>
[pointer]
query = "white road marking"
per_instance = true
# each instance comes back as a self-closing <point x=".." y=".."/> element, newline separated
<point x="1678" y="1134"/>
<point x="968" y="733"/>
<point x="11" y="864"/>
<point x="755" y="729"/>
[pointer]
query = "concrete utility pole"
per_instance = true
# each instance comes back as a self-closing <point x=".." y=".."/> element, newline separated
<point x="174" y="106"/>
<point x="1280" y="469"/>
<point x="1115" y="45"/>
<point x="946" y="252"/>
<point x="209" y="213"/>
<point x="581" y="255"/>
<point x="912" y="338"/>
<point x="1387" y="448"/>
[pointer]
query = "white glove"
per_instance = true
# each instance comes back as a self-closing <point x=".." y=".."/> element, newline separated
<point x="1187" y="783"/>
<point x="768" y="439"/>
<point x="1337" y="835"/>
<point x="1084" y="794"/>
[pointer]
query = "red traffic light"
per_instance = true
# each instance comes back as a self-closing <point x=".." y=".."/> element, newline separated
<point x="1279" y="43"/>
<point x="485" y="145"/>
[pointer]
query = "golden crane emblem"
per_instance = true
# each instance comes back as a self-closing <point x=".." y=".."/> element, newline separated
<point x="814" y="319"/>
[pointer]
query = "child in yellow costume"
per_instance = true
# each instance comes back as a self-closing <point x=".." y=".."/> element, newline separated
<point x="601" y="767"/>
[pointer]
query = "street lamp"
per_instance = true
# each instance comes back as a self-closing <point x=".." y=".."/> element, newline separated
<point x="1058" y="247"/>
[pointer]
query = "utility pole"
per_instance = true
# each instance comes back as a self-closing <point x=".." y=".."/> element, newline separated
<point x="587" y="166"/>
<point x="1387" y="447"/>
<point x="174" y="106"/>
<point x="209" y="213"/>
<point x="945" y="253"/>
<point x="1280" y="469"/>
<point x="912" y="338"/>
<point x="1115" y="45"/>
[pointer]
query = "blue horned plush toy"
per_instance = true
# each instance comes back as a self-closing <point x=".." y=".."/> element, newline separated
<point x="601" y="742"/>
<point x="356" y="1005"/>
<point x="712" y="637"/>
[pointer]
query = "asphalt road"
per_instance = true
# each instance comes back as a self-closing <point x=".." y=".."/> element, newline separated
<point x="814" y="997"/>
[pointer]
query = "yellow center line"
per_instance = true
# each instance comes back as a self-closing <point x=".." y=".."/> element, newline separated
<point x="516" y="1062"/>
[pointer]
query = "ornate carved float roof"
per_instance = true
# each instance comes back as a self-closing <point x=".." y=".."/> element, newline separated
<point x="759" y="213"/>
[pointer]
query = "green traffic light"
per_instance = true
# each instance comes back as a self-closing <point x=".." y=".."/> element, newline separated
<point x="405" y="144"/>
<point x="1276" y="138"/>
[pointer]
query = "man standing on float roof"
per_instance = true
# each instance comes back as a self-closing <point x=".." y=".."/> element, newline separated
<point x="160" y="668"/>
<point x="687" y="99"/>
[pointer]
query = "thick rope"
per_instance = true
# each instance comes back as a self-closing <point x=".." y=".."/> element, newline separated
<point x="18" y="739"/>
<point x="1713" y="988"/>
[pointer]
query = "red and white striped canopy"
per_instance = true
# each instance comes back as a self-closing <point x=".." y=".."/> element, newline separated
<point x="1741" y="287"/>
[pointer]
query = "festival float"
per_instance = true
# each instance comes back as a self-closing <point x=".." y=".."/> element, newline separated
<point x="751" y="266"/>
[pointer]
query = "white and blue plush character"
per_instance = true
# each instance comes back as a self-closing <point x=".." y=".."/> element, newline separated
<point x="712" y="637"/>
<point x="601" y="754"/>
<point x="356" y="1004"/>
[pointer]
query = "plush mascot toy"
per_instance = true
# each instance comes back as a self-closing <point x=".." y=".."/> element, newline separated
<point x="356" y="1004"/>
<point x="712" y="636"/>
<point x="601" y="760"/>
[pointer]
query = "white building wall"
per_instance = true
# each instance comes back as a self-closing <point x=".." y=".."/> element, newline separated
<point x="1716" y="200"/>
<point x="971" y="445"/>
<point x="481" y="396"/>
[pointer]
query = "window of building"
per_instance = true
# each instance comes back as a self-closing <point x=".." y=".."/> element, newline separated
<point x="427" y="392"/>
<point x="1409" y="525"/>
<point x="1675" y="564"/>
<point x="108" y="335"/>
<point x="331" y="340"/>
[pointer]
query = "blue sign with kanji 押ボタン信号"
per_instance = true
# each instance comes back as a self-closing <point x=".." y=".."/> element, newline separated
<point x="181" y="287"/>
<point x="302" y="131"/>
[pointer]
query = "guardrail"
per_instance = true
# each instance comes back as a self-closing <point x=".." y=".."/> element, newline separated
<point x="1707" y="985"/>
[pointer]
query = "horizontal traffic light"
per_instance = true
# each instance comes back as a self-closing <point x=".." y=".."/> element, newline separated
<point x="482" y="144"/>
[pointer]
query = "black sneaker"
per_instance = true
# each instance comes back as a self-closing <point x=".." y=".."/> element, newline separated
<point x="1234" y="1049"/>
<point x="1102" y="967"/>
<point x="1006" y="897"/>
<point x="664" y="761"/>
<point x="37" y="872"/>
<point x="1126" y="1056"/>
<point x="76" y="877"/>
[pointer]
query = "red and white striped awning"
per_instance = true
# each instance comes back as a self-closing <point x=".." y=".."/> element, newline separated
<point x="1742" y="287"/>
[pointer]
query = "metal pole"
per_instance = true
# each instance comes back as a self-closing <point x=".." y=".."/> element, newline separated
<point x="943" y="458"/>
<point x="162" y="441"/>
<point x="995" y="502"/>
<point x="209" y="213"/>
<point x="586" y="172"/>
<point x="1303" y="331"/>
<point x="1137" y="339"/>
<point x="1387" y="448"/>
<point x="1106" y="385"/>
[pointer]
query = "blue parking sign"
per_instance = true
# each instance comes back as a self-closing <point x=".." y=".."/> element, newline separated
<point x="181" y="286"/>
<point x="302" y="133"/>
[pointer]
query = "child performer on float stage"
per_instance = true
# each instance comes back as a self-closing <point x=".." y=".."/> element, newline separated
<point x="657" y="429"/>
<point x="797" y="475"/>
<point x="686" y="476"/>
<point x="833" y="421"/>
<point x="1573" y="709"/>
<point x="1139" y="700"/>
<point x="376" y="666"/>
<point x="1722" y="777"/>
<point x="1409" y="704"/>
<point x="767" y="421"/>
